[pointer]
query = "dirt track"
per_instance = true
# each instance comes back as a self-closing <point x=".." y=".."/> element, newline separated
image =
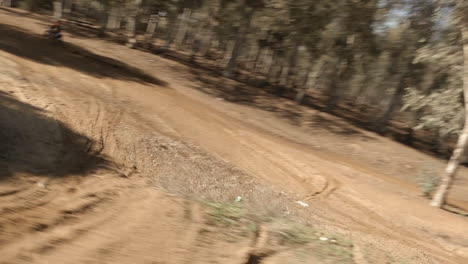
<point x="102" y="162"/>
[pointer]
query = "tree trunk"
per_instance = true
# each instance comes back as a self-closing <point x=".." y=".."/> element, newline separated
<point x="131" y="26"/>
<point x="205" y="43"/>
<point x="287" y="66"/>
<point x="440" y="195"/>
<point x="280" y="77"/>
<point x="311" y="79"/>
<point x="283" y="74"/>
<point x="183" y="27"/>
<point x="277" y="68"/>
<point x="131" y="31"/>
<point x="272" y="65"/>
<point x="193" y="36"/>
<point x="170" y="32"/>
<point x="101" y="17"/>
<point x="334" y="89"/>
<point x="227" y="48"/>
<point x="58" y="9"/>
<point x="291" y="69"/>
<point x="240" y="39"/>
<point x="232" y="63"/>
<point x="114" y="19"/>
<point x="381" y="122"/>
<point x="256" y="60"/>
<point x="67" y="5"/>
<point x="6" y="3"/>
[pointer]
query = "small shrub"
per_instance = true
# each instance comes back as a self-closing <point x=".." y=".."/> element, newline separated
<point x="428" y="181"/>
<point x="297" y="235"/>
<point x="224" y="214"/>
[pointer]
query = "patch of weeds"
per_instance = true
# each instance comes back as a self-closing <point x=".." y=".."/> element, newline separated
<point x="232" y="219"/>
<point x="397" y="260"/>
<point x="231" y="238"/>
<point x="253" y="227"/>
<point x="298" y="235"/>
<point x="224" y="214"/>
<point x="428" y="181"/>
<point x="334" y="251"/>
<point x="234" y="222"/>
<point x="333" y="248"/>
<point x="302" y="255"/>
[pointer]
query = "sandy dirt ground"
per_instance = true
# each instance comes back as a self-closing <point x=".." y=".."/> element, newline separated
<point x="109" y="155"/>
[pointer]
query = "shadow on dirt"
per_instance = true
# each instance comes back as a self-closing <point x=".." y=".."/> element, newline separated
<point x="22" y="12"/>
<point x="35" y="47"/>
<point x="31" y="142"/>
<point x="241" y="93"/>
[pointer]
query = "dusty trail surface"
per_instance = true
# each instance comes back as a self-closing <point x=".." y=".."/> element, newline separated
<point x="106" y="149"/>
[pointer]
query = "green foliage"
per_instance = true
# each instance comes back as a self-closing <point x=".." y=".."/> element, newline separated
<point x="442" y="110"/>
<point x="442" y="106"/>
<point x="224" y="214"/>
<point x="335" y="248"/>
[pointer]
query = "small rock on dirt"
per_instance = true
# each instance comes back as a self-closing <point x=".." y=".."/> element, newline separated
<point x="303" y="204"/>
<point x="43" y="183"/>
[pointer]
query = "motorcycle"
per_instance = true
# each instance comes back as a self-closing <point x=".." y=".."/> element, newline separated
<point x="53" y="35"/>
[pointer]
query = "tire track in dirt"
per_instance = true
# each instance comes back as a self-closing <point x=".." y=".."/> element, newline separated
<point x="265" y="159"/>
